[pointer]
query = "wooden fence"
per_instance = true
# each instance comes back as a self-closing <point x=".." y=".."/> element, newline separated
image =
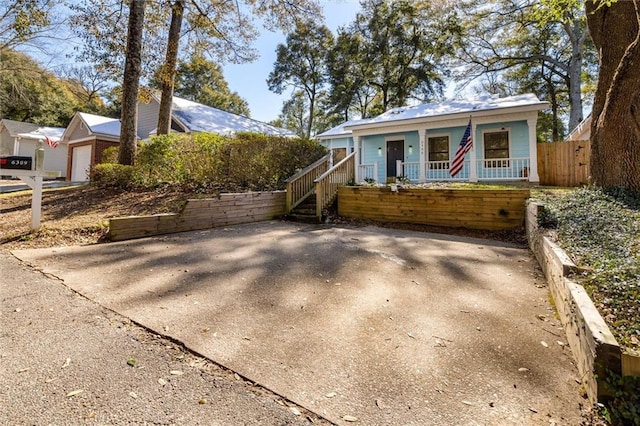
<point x="564" y="163"/>
<point x="227" y="209"/>
<point x="487" y="209"/>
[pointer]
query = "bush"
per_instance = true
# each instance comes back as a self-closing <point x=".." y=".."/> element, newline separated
<point x="213" y="163"/>
<point x="209" y="162"/>
<point x="113" y="175"/>
<point x="110" y="155"/>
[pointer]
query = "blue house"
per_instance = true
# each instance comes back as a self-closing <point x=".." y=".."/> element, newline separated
<point x="419" y="142"/>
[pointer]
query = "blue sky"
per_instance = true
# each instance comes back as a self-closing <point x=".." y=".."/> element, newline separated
<point x="249" y="80"/>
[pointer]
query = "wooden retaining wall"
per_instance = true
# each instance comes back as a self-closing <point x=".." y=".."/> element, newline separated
<point x="564" y="163"/>
<point x="487" y="209"/>
<point x="594" y="347"/>
<point x="227" y="209"/>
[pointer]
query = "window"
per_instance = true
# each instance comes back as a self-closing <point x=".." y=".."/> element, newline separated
<point x="438" y="151"/>
<point x="339" y="154"/>
<point x="496" y="147"/>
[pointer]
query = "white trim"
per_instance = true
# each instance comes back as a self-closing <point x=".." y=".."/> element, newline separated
<point x="459" y="116"/>
<point x="496" y="130"/>
<point x="440" y="135"/>
<point x="533" y="150"/>
<point x="92" y="138"/>
<point x="386" y="152"/>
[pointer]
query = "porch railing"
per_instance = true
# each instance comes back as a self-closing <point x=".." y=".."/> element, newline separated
<point x="368" y="171"/>
<point x="301" y="185"/>
<point x="495" y="169"/>
<point x="504" y="169"/>
<point x="327" y="184"/>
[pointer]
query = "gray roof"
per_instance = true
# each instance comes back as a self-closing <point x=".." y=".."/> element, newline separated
<point x="438" y="109"/>
<point x="202" y="118"/>
<point x="100" y="125"/>
<point x="17" y="127"/>
<point x="339" y="130"/>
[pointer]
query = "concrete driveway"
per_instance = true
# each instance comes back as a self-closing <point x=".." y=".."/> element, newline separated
<point x="378" y="326"/>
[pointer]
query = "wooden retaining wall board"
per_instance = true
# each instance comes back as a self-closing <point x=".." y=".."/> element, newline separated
<point x="227" y="209"/>
<point x="486" y="209"/>
<point x="593" y="345"/>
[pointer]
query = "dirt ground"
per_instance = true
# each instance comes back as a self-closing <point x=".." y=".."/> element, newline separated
<point x="79" y="215"/>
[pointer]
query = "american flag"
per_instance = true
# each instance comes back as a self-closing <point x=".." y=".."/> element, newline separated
<point x="51" y="142"/>
<point x="465" y="145"/>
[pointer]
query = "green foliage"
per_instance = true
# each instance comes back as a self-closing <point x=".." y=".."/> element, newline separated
<point x="110" y="155"/>
<point x="301" y="64"/>
<point x="113" y="175"/>
<point x="213" y="163"/>
<point x="624" y="407"/>
<point x="602" y="233"/>
<point x="22" y="21"/>
<point x="529" y="46"/>
<point x="202" y="81"/>
<point x="29" y="93"/>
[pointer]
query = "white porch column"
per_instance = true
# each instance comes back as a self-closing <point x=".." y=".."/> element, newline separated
<point x="330" y="153"/>
<point x="533" y="150"/>
<point x="356" y="148"/>
<point x="473" y="163"/>
<point x="423" y="156"/>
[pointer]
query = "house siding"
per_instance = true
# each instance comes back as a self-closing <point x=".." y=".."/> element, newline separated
<point x="371" y="144"/>
<point x="518" y="148"/>
<point x="80" y="131"/>
<point x="6" y="142"/>
<point x="55" y="159"/>
<point x="147" y="118"/>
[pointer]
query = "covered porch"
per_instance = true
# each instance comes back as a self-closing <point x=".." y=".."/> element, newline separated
<point x="508" y="169"/>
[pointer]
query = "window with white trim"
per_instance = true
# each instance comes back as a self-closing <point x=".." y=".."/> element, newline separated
<point x="438" y="151"/>
<point x="496" y="148"/>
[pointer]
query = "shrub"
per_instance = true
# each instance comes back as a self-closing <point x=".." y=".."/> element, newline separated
<point x="110" y="155"/>
<point x="207" y="162"/>
<point x="113" y="175"/>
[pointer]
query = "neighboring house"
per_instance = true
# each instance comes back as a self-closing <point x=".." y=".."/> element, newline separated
<point x="582" y="132"/>
<point x="419" y="142"/>
<point x="192" y="117"/>
<point x="88" y="135"/>
<point x="19" y="138"/>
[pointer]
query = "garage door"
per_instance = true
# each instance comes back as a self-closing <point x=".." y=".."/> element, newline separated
<point x="80" y="163"/>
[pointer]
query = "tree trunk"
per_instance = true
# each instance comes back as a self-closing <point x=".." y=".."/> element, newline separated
<point x="577" y="35"/>
<point x="312" y="111"/>
<point x="615" y="126"/>
<point x="555" y="127"/>
<point x="168" y="71"/>
<point x="131" y="83"/>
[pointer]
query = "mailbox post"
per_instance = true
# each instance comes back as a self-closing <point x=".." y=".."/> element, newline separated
<point x="15" y="166"/>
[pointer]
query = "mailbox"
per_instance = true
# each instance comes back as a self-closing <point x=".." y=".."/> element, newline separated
<point x="16" y="162"/>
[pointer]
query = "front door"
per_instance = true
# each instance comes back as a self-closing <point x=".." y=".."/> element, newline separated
<point x="395" y="152"/>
